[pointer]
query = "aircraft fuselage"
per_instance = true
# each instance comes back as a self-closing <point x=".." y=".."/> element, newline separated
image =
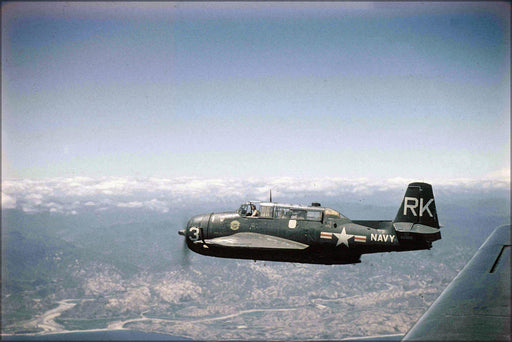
<point x="305" y="234"/>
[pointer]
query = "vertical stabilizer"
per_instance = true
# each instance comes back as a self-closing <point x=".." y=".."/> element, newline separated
<point x="418" y="206"/>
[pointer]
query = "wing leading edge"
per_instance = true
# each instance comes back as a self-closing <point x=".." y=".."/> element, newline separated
<point x="255" y="241"/>
<point x="476" y="304"/>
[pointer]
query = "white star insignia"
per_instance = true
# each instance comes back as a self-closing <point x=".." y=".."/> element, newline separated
<point x="342" y="237"/>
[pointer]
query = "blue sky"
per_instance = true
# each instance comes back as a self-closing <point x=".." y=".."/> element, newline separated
<point x="372" y="90"/>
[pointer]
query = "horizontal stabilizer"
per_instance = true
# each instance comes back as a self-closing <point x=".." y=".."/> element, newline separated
<point x="422" y="229"/>
<point x="408" y="227"/>
<point x="426" y="233"/>
<point x="256" y="241"/>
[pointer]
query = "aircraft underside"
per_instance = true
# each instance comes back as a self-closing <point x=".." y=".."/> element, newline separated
<point x="303" y="256"/>
<point x="310" y="255"/>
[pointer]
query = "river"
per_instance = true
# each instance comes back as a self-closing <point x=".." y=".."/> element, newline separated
<point x="104" y="335"/>
<point x="115" y="330"/>
<point x="52" y="331"/>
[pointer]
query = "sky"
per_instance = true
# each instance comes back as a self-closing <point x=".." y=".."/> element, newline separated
<point x="256" y="90"/>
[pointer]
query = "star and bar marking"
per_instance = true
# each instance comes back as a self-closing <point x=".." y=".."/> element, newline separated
<point x="343" y="237"/>
<point x="325" y="235"/>
<point x="359" y="238"/>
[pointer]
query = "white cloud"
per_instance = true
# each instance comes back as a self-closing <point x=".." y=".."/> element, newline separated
<point x="500" y="175"/>
<point x="133" y="204"/>
<point x="157" y="205"/>
<point x="71" y="195"/>
<point x="8" y="202"/>
<point x="35" y="198"/>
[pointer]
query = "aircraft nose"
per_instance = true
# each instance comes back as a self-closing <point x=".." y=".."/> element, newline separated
<point x="190" y="223"/>
<point x="195" y="221"/>
<point x="194" y="226"/>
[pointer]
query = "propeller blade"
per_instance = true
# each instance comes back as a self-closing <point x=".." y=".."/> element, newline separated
<point x="184" y="259"/>
<point x="185" y="254"/>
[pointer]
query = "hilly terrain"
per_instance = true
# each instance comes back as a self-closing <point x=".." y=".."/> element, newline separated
<point x="123" y="267"/>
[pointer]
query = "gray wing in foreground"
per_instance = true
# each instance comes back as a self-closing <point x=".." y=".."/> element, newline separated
<point x="255" y="240"/>
<point x="476" y="304"/>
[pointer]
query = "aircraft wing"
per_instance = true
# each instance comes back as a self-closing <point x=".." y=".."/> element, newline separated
<point x="476" y="304"/>
<point x="256" y="241"/>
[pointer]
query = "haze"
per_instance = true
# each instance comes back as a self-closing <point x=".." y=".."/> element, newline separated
<point x="372" y="90"/>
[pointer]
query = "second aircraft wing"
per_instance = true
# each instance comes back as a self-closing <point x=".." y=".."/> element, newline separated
<point x="476" y="304"/>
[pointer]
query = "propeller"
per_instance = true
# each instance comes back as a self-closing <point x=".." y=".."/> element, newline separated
<point x="185" y="253"/>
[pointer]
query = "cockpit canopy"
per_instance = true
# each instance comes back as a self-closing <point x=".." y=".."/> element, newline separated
<point x="271" y="210"/>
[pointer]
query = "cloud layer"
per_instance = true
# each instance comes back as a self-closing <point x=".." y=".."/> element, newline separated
<point x="72" y="195"/>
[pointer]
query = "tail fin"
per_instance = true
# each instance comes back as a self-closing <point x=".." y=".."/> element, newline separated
<point x="418" y="206"/>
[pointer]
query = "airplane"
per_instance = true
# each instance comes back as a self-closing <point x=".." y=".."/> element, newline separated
<point x="313" y="234"/>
